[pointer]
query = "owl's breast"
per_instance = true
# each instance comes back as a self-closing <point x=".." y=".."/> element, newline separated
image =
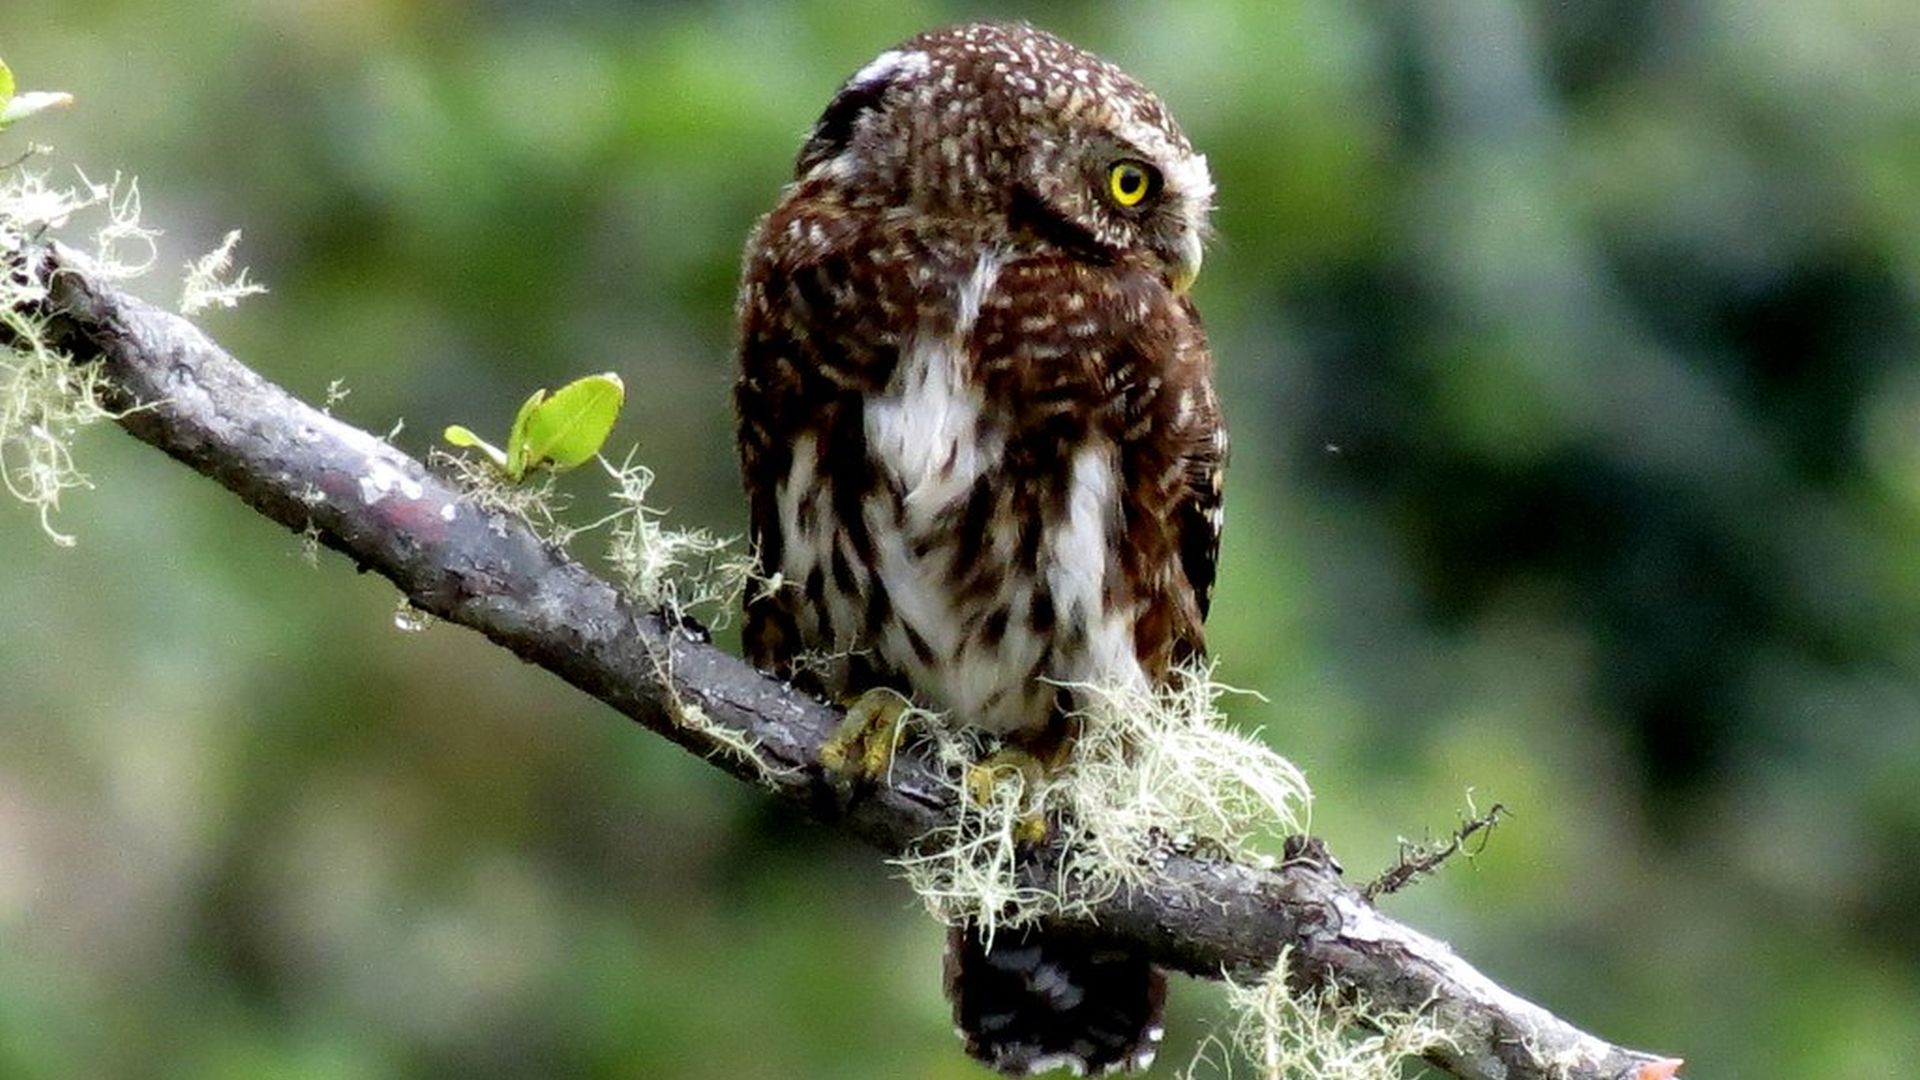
<point x="981" y="574"/>
<point x="927" y="432"/>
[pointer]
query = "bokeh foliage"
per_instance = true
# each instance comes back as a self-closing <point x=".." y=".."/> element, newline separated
<point x="1572" y="352"/>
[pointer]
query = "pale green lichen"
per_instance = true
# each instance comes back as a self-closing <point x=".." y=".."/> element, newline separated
<point x="1158" y="767"/>
<point x="1286" y="1034"/>
<point x="46" y="398"/>
<point x="967" y="872"/>
<point x="684" y="572"/>
<point x="688" y="572"/>
<point x="337" y="392"/>
<point x="1151" y="770"/>
<point x="207" y="284"/>
<point x="729" y="742"/>
<point x="535" y="503"/>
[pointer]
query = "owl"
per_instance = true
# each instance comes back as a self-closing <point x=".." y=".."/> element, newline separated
<point x="980" y="439"/>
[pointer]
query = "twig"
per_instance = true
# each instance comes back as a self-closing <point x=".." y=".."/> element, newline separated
<point x="381" y="508"/>
<point x="1419" y="859"/>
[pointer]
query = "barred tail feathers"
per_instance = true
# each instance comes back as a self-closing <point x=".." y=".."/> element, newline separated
<point x="1037" y="1002"/>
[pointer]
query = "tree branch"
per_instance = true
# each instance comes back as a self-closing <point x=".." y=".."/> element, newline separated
<point x="386" y="512"/>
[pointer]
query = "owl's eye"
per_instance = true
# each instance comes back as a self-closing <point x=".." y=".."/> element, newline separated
<point x="1130" y="182"/>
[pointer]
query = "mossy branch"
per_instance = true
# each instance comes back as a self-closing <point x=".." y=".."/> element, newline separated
<point x="171" y="386"/>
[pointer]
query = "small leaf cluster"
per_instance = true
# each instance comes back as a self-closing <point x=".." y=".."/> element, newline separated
<point x="555" y="431"/>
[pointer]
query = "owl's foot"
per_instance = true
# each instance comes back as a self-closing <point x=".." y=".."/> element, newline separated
<point x="984" y="775"/>
<point x="861" y="748"/>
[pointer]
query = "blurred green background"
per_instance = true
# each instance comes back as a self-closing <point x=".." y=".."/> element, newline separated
<point x="1572" y="353"/>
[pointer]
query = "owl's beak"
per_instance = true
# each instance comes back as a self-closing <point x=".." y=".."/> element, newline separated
<point x="1186" y="265"/>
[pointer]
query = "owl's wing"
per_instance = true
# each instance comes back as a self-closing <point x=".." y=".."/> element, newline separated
<point x="1201" y="513"/>
<point x="773" y="405"/>
<point x="1199" y="508"/>
<point x="767" y="388"/>
<point x="814" y="308"/>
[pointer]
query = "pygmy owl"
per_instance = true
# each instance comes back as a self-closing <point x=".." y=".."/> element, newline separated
<point x="980" y="439"/>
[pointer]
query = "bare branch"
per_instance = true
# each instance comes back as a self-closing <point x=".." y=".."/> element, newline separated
<point x="381" y="508"/>
<point x="1417" y="860"/>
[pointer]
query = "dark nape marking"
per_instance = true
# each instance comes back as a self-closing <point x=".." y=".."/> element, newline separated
<point x="834" y="130"/>
<point x="1027" y="212"/>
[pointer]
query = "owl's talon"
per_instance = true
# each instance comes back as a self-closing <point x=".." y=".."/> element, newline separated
<point x="1031" y="828"/>
<point x="861" y="748"/>
<point x="983" y="776"/>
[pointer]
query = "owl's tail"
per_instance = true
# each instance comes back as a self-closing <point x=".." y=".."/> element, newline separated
<point x="1037" y="1002"/>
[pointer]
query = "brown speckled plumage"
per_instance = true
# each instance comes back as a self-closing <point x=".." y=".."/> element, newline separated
<point x="978" y="429"/>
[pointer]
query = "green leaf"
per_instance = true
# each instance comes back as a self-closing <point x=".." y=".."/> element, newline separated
<point x="517" y="460"/>
<point x="558" y="431"/>
<point x="457" y="435"/>
<point x="569" y="428"/>
<point x="20" y="106"/>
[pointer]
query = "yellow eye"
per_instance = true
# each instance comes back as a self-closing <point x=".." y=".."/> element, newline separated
<point x="1130" y="182"/>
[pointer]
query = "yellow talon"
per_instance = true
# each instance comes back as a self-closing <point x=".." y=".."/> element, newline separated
<point x="861" y="748"/>
<point x="1031" y="828"/>
<point x="984" y="776"/>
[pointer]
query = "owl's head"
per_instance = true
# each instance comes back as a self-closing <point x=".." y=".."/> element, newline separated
<point x="1022" y="137"/>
